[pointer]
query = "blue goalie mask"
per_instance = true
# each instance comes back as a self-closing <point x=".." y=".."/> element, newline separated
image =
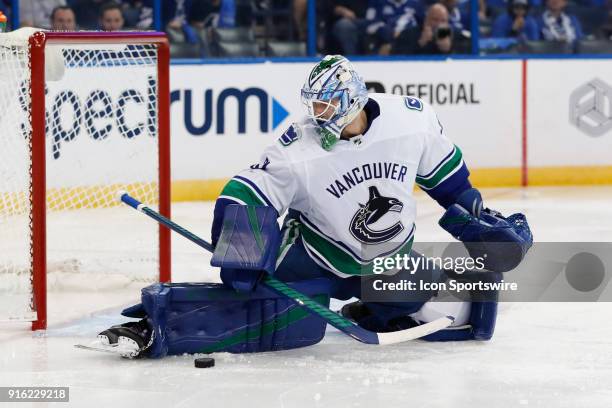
<point x="333" y="96"/>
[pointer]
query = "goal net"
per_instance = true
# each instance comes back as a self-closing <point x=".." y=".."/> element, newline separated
<point x="82" y="116"/>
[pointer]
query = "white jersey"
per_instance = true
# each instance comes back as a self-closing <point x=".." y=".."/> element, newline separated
<point x="356" y="201"/>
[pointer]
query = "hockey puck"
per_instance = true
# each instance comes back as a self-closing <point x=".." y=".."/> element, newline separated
<point x="204" y="362"/>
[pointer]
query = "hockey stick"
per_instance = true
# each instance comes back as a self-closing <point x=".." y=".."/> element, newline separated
<point x="339" y="322"/>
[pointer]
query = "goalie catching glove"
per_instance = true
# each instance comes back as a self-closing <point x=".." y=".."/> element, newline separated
<point x="502" y="242"/>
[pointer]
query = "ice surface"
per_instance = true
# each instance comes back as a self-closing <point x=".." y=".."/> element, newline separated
<point x="542" y="355"/>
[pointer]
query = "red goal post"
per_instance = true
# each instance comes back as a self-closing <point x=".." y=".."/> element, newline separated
<point x="95" y="51"/>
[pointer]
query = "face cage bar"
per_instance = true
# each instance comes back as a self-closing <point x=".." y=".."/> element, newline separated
<point x="311" y="97"/>
<point x="37" y="43"/>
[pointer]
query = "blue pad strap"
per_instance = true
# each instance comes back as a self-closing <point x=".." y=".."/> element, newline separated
<point x="250" y="239"/>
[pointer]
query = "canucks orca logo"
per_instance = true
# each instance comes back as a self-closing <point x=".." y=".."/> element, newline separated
<point x="372" y="211"/>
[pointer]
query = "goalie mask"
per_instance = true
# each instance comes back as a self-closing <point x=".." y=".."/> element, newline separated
<point x="333" y="95"/>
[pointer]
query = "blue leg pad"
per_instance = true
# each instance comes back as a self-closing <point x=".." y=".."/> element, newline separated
<point x="208" y="317"/>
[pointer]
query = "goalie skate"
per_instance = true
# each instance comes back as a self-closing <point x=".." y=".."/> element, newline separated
<point x="129" y="340"/>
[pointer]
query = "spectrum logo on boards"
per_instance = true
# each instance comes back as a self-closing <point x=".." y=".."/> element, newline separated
<point x="230" y="104"/>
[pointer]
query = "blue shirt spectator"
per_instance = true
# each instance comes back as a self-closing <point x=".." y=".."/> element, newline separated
<point x="388" y="18"/>
<point x="395" y="14"/>
<point x="556" y="25"/>
<point x="349" y="24"/>
<point x="516" y="23"/>
<point x="458" y="17"/>
<point x="87" y="12"/>
<point x="499" y="4"/>
<point x="591" y="3"/>
<point x="605" y="30"/>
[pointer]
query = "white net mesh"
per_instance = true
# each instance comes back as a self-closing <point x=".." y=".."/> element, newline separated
<point x="101" y="137"/>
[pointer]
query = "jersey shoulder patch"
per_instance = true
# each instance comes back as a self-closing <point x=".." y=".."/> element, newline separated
<point x="413" y="103"/>
<point x="291" y="135"/>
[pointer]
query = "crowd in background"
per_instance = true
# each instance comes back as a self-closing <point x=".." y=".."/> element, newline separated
<point x="444" y="26"/>
<point x="209" y="28"/>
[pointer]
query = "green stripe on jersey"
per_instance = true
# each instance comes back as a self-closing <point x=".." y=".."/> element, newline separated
<point x="447" y="168"/>
<point x="340" y="260"/>
<point x="242" y="192"/>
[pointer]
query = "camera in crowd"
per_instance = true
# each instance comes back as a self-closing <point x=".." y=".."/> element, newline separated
<point x="442" y="32"/>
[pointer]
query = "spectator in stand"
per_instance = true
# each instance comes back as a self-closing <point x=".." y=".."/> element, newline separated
<point x="349" y="24"/>
<point x="591" y="3"/>
<point x="207" y="13"/>
<point x="458" y="20"/>
<point x="503" y="4"/>
<point x="37" y="13"/>
<point x="87" y="13"/>
<point x="388" y="18"/>
<point x="556" y="25"/>
<point x="63" y="19"/>
<point x="497" y="7"/>
<point x="197" y="15"/>
<point x="5" y="8"/>
<point x="169" y="12"/>
<point x="138" y="13"/>
<point x="299" y="10"/>
<point x="516" y="23"/>
<point x="201" y="14"/>
<point x="436" y="36"/>
<point x="111" y="17"/>
<point x="300" y="17"/>
<point x="482" y="10"/>
<point x="606" y="28"/>
<point x="496" y="4"/>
